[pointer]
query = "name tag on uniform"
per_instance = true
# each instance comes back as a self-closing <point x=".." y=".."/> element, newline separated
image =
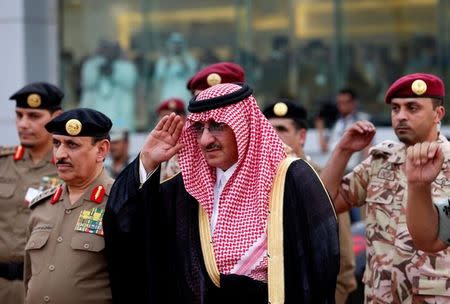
<point x="31" y="194"/>
<point x="90" y="221"/>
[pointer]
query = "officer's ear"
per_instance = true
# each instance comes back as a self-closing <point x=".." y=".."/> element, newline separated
<point x="440" y="113"/>
<point x="102" y="149"/>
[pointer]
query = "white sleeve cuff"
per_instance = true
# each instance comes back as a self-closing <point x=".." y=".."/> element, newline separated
<point x="143" y="175"/>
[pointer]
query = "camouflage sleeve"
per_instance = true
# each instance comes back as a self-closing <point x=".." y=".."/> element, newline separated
<point x="443" y="208"/>
<point x="354" y="185"/>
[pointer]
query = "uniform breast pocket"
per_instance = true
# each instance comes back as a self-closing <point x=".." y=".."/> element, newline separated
<point x="35" y="249"/>
<point x="87" y="242"/>
<point x="7" y="190"/>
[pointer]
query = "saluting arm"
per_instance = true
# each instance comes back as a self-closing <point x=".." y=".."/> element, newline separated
<point x="423" y="164"/>
<point x="357" y="137"/>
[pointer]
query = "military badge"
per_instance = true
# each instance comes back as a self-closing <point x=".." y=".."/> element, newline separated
<point x="213" y="79"/>
<point x="73" y="127"/>
<point x="419" y="87"/>
<point x="280" y="109"/>
<point x="90" y="221"/>
<point x="172" y="105"/>
<point x="34" y="100"/>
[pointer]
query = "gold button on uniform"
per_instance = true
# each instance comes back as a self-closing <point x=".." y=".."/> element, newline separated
<point x="59" y="239"/>
<point x="68" y="211"/>
<point x="47" y="299"/>
<point x="51" y="267"/>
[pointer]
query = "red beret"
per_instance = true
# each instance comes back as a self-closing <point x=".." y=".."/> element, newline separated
<point x="172" y="104"/>
<point x="416" y="85"/>
<point x="222" y="72"/>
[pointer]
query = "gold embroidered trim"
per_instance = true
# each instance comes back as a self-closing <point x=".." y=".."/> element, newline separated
<point x="207" y="248"/>
<point x="275" y="249"/>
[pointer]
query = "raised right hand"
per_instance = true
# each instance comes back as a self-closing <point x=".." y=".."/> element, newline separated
<point x="357" y="137"/>
<point x="423" y="162"/>
<point x="162" y="142"/>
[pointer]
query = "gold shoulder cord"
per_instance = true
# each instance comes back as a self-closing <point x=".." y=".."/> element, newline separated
<point x="207" y="248"/>
<point x="275" y="235"/>
<point x="275" y="238"/>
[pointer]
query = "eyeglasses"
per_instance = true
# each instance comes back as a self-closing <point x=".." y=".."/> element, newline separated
<point x="215" y="128"/>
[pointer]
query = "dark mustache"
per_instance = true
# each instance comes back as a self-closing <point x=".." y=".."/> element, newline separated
<point x="402" y="125"/>
<point x="212" y="146"/>
<point x="62" y="162"/>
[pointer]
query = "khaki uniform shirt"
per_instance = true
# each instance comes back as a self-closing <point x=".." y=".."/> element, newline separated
<point x="64" y="259"/>
<point x="16" y="178"/>
<point x="396" y="272"/>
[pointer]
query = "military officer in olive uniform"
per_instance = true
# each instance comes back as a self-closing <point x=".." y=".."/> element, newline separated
<point x="25" y="170"/>
<point x="64" y="254"/>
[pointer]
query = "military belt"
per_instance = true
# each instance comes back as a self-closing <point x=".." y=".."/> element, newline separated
<point x="11" y="271"/>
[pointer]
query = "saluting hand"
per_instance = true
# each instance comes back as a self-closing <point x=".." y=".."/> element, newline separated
<point x="358" y="136"/>
<point x="162" y="142"/>
<point x="423" y="162"/>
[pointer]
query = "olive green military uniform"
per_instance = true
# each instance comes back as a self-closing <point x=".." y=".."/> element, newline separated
<point x="17" y="177"/>
<point x="64" y="255"/>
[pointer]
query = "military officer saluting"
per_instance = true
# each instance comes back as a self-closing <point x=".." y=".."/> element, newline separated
<point x="24" y="171"/>
<point x="64" y="256"/>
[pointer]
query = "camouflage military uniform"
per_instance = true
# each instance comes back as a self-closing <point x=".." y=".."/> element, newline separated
<point x="169" y="168"/>
<point x="396" y="272"/>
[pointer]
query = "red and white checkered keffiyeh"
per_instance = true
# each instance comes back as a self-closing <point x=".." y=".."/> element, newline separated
<point x="240" y="235"/>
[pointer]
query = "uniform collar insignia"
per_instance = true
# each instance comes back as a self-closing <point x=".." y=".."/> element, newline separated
<point x="57" y="195"/>
<point x="20" y="151"/>
<point x="97" y="194"/>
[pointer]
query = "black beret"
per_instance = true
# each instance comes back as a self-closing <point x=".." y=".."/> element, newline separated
<point x="285" y="109"/>
<point x="80" y="122"/>
<point x="38" y="95"/>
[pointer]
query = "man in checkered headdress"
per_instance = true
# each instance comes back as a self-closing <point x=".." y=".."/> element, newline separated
<point x="236" y="226"/>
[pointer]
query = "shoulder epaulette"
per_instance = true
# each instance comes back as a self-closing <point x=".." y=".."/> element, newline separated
<point x="385" y="148"/>
<point x="5" y="151"/>
<point x="42" y="196"/>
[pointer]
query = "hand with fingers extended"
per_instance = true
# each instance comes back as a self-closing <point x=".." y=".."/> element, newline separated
<point x="358" y="136"/>
<point x="423" y="162"/>
<point x="162" y="142"/>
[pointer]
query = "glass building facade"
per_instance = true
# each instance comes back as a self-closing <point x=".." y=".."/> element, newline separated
<point x="140" y="52"/>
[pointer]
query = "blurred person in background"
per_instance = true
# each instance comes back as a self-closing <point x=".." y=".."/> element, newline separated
<point x="347" y="105"/>
<point x="25" y="171"/>
<point x="108" y="82"/>
<point x="173" y="69"/>
<point x="119" y="156"/>
<point x="289" y="119"/>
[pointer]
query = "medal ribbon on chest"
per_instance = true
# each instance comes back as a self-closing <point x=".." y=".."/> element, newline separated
<point x="90" y="221"/>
